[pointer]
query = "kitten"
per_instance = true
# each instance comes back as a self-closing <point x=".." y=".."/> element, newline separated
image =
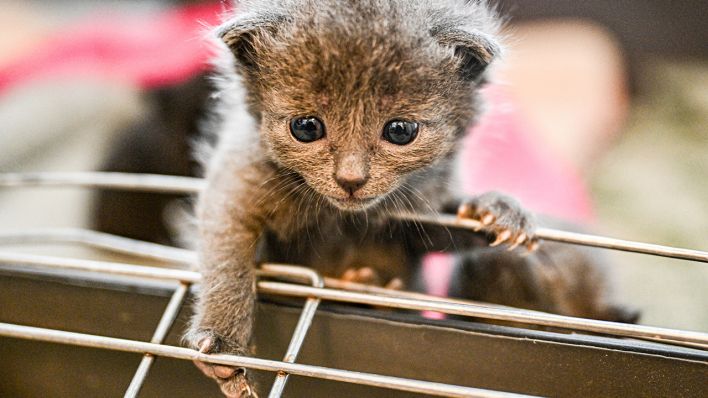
<point x="333" y="116"/>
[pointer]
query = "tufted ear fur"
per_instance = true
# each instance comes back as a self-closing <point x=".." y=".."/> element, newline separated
<point x="243" y="32"/>
<point x="475" y="50"/>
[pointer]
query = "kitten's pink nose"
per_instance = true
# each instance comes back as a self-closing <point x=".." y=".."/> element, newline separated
<point x="351" y="182"/>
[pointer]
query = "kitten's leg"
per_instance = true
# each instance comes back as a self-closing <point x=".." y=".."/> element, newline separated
<point x="553" y="277"/>
<point x="556" y="278"/>
<point x="230" y="223"/>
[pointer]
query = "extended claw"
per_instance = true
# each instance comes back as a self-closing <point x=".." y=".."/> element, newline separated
<point x="533" y="246"/>
<point x="488" y="219"/>
<point x="205" y="345"/>
<point x="501" y="238"/>
<point x="519" y="240"/>
<point x="465" y="210"/>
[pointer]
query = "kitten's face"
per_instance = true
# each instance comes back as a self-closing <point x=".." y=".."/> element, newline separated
<point x="355" y="124"/>
<point x="356" y="108"/>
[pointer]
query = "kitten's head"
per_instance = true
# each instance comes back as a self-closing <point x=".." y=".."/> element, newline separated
<point x="357" y="96"/>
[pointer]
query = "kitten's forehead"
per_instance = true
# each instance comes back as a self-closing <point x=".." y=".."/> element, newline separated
<point x="360" y="55"/>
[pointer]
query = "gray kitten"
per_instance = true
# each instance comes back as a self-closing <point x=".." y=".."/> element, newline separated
<point x="334" y="115"/>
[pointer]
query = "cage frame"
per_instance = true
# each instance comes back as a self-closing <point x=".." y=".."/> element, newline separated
<point x="287" y="281"/>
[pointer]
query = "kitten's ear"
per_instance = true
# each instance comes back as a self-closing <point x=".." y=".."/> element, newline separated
<point x="475" y="50"/>
<point x="243" y="32"/>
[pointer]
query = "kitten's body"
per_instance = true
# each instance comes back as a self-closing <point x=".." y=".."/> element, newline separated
<point x="355" y="65"/>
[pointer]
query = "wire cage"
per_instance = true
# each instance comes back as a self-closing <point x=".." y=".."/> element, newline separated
<point x="596" y="356"/>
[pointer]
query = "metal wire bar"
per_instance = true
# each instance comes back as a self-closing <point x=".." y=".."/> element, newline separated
<point x="575" y="238"/>
<point x="122" y="181"/>
<point x="100" y="240"/>
<point x="501" y="314"/>
<point x="303" y="323"/>
<point x="163" y="327"/>
<point x="623" y="245"/>
<point x="369" y="379"/>
<point x="672" y="336"/>
<point x="103" y="267"/>
<point x="188" y="185"/>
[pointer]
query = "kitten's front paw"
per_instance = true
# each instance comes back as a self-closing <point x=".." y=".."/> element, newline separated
<point x="234" y="382"/>
<point x="369" y="276"/>
<point x="503" y="217"/>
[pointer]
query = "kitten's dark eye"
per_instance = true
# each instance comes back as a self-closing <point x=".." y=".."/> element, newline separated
<point x="307" y="129"/>
<point x="400" y="132"/>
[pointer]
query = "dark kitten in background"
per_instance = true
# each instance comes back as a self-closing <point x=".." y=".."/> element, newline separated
<point x="161" y="141"/>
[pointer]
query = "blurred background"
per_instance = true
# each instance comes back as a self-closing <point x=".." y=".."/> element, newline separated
<point x="601" y="107"/>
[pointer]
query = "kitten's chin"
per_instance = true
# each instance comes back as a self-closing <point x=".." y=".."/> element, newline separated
<point x="353" y="204"/>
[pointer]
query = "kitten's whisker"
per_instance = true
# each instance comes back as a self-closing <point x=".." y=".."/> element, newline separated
<point x="279" y="186"/>
<point x="419" y="225"/>
<point x="433" y="211"/>
<point x="287" y="195"/>
<point x="400" y="207"/>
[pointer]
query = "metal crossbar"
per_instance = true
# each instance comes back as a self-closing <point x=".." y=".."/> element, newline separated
<point x="368" y="379"/>
<point x="301" y="282"/>
<point x="303" y="323"/>
<point x="163" y="327"/>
